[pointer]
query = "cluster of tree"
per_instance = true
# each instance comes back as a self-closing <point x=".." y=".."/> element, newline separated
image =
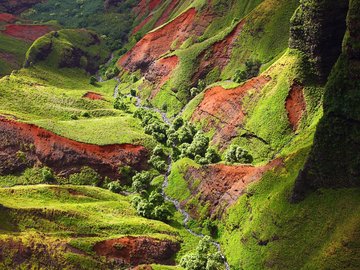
<point x="236" y="154"/>
<point x="158" y="159"/>
<point x="252" y="69"/>
<point x="149" y="205"/>
<point x="183" y="138"/>
<point x="152" y="206"/>
<point x="121" y="103"/>
<point x="187" y="141"/>
<point x="152" y="124"/>
<point x="203" y="258"/>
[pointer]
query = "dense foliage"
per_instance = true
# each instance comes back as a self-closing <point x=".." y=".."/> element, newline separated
<point x="114" y="22"/>
<point x="203" y="258"/>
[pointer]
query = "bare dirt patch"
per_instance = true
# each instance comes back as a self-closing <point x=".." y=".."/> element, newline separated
<point x="295" y="105"/>
<point x="7" y="18"/>
<point x="93" y="96"/>
<point x="218" y="55"/>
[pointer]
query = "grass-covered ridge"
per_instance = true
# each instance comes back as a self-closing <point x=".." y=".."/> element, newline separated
<point x="69" y="48"/>
<point x="71" y="215"/>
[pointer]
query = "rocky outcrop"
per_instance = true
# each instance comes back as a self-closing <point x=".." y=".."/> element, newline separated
<point x="317" y="29"/>
<point x="24" y="145"/>
<point x="133" y="251"/>
<point x="334" y="160"/>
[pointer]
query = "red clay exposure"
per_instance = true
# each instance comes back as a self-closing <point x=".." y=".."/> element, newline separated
<point x="159" y="72"/>
<point x="295" y="105"/>
<point x="138" y="250"/>
<point x="63" y="155"/>
<point x="26" y="32"/>
<point x="221" y="185"/>
<point x="93" y="96"/>
<point x="155" y="44"/>
<point x="223" y="108"/>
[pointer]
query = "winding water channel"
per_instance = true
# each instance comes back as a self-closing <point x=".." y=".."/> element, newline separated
<point x="176" y="203"/>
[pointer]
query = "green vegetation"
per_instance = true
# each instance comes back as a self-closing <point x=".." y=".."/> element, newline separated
<point x="203" y="258"/>
<point x="79" y="216"/>
<point x="114" y="22"/>
<point x="252" y="69"/>
<point x="312" y="234"/>
<point x="69" y="48"/>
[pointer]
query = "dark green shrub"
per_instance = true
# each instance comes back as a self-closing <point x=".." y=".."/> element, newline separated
<point x="178" y="123"/>
<point x="86" y="115"/>
<point x="115" y="186"/>
<point x="141" y="181"/>
<point x="252" y="69"/>
<point x="47" y="175"/>
<point x="93" y="80"/>
<point x="120" y="104"/>
<point x="133" y="92"/>
<point x="238" y="155"/>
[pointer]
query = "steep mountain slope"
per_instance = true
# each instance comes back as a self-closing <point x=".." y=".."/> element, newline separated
<point x="233" y="122"/>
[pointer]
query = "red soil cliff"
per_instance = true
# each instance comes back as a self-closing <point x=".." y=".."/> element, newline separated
<point x="138" y="250"/>
<point x="23" y="145"/>
<point x="222" y="109"/>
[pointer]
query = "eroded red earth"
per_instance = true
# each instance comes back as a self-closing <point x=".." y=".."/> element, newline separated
<point x="221" y="185"/>
<point x="146" y="6"/>
<point x="295" y="104"/>
<point x="221" y="109"/>
<point x="93" y="96"/>
<point x="158" y="42"/>
<point x="138" y="250"/>
<point x="159" y="72"/>
<point x="145" y="55"/>
<point x="24" y="145"/>
<point x="26" y="32"/>
<point x="141" y="25"/>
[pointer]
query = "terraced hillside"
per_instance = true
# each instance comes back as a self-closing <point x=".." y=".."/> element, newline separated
<point x="178" y="134"/>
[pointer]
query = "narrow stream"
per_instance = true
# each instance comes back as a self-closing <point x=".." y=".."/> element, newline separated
<point x="166" y="177"/>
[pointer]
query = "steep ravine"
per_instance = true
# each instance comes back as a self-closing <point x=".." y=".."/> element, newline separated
<point x="176" y="203"/>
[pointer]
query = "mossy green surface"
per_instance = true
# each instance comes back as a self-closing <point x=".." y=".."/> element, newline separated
<point x="263" y="230"/>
